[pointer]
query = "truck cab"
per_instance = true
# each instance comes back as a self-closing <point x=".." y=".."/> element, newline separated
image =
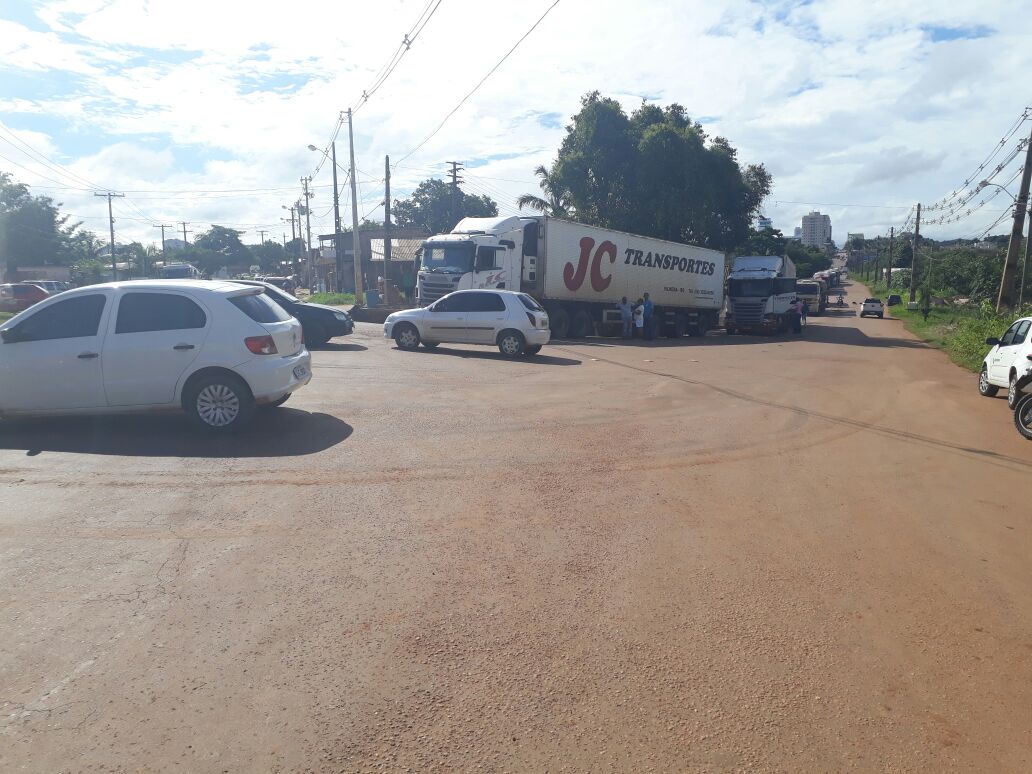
<point x="479" y="253"/>
<point x="760" y="289"/>
<point x="814" y="294"/>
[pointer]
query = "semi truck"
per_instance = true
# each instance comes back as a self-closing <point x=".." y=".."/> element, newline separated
<point x="760" y="289"/>
<point x="813" y="293"/>
<point x="578" y="273"/>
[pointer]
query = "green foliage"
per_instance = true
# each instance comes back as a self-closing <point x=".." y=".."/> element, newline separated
<point x="808" y="260"/>
<point x="655" y="173"/>
<point x="555" y="201"/>
<point x="269" y="256"/>
<point x="333" y="299"/>
<point x="33" y="232"/>
<point x="431" y="207"/>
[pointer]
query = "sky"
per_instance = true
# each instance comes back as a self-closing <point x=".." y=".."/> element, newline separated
<point x="203" y="111"/>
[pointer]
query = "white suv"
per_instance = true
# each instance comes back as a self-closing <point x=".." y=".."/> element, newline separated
<point x="217" y="350"/>
<point x="873" y="307"/>
<point x="514" y="322"/>
<point x="1009" y="358"/>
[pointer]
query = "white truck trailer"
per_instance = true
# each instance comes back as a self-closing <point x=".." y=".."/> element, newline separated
<point x="760" y="289"/>
<point x="578" y="273"/>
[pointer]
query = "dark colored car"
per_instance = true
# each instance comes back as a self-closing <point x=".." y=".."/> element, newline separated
<point x="19" y="296"/>
<point x="893" y="300"/>
<point x="320" y="323"/>
<point x="285" y="284"/>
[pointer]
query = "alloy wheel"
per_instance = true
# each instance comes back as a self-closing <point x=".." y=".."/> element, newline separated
<point x="218" y="405"/>
<point x="511" y="345"/>
<point x="407" y="338"/>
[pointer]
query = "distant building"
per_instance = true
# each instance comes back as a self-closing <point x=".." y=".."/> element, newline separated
<point x="762" y="224"/>
<point x="854" y="237"/>
<point x="816" y="230"/>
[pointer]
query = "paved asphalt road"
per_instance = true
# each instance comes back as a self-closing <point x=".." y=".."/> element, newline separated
<point x="717" y="554"/>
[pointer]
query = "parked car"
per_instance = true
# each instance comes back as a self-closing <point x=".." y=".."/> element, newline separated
<point x="217" y="350"/>
<point x="1006" y="361"/>
<point x="51" y="286"/>
<point x="872" y="307"/>
<point x="18" y="296"/>
<point x="320" y="323"/>
<point x="514" y="322"/>
<point x="893" y="300"/>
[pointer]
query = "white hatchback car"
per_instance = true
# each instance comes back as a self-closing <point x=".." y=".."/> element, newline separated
<point x="217" y="350"/>
<point x="1009" y="358"/>
<point x="514" y="322"/>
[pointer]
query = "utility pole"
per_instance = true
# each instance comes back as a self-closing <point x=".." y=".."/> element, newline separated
<point x="456" y="167"/>
<point x="1009" y="281"/>
<point x="184" y="224"/>
<point x="1024" y="262"/>
<point x="386" y="224"/>
<point x="308" y="221"/>
<point x="913" y="256"/>
<point x="164" y="252"/>
<point x="338" y="253"/>
<point x="888" y="269"/>
<point x="356" y="246"/>
<point x="261" y="236"/>
<point x="111" y="224"/>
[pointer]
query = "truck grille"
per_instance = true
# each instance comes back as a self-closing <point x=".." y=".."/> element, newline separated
<point x="431" y="290"/>
<point x="749" y="312"/>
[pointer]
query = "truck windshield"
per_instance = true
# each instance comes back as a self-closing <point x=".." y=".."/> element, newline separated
<point x="808" y="289"/>
<point x="454" y="258"/>
<point x="750" y="288"/>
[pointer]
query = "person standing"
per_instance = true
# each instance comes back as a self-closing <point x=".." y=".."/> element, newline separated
<point x="647" y="307"/>
<point x="639" y="318"/>
<point x="794" y="316"/>
<point x="803" y="310"/>
<point x="626" y="317"/>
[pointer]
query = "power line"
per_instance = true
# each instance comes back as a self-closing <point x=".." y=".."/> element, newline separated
<point x="481" y="83"/>
<point x="44" y="159"/>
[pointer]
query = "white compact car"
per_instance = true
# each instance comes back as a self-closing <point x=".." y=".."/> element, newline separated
<point x="217" y="350"/>
<point x="873" y="307"/>
<point x="514" y="322"/>
<point x="1008" y="359"/>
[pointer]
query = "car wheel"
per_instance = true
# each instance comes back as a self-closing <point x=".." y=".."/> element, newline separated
<point x="431" y="344"/>
<point x="533" y="349"/>
<point x="276" y="403"/>
<point x="406" y="336"/>
<point x="315" y="335"/>
<point x="1023" y="417"/>
<point x="220" y="403"/>
<point x="881" y="316"/>
<point x="1012" y="391"/>
<point x="511" y="343"/>
<point x="984" y="388"/>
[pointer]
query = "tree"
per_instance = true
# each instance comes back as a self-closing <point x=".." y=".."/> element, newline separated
<point x="656" y="173"/>
<point x="220" y="247"/>
<point x="769" y="241"/>
<point x="555" y="201"/>
<point x="431" y="207"/>
<point x="808" y="260"/>
<point x="33" y="232"/>
<point x="270" y="256"/>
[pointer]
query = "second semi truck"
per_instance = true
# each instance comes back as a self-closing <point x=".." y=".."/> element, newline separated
<point x="577" y="272"/>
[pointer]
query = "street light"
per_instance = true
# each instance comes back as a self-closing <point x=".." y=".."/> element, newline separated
<point x="986" y="183"/>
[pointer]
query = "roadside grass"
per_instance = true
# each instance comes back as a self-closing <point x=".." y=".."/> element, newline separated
<point x="5" y="316"/>
<point x="960" y="331"/>
<point x="333" y="299"/>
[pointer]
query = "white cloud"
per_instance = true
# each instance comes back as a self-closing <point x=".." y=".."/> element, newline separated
<point x="203" y="96"/>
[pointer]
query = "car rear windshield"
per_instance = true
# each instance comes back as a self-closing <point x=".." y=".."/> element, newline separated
<point x="530" y="303"/>
<point x="873" y="301"/>
<point x="260" y="308"/>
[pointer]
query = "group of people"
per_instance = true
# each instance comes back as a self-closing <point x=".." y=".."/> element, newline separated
<point x="797" y="315"/>
<point x="637" y="318"/>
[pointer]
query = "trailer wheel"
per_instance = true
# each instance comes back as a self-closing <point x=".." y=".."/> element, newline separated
<point x="679" y="327"/>
<point x="560" y="322"/>
<point x="581" y="326"/>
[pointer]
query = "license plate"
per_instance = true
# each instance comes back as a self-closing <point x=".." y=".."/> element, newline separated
<point x="299" y="372"/>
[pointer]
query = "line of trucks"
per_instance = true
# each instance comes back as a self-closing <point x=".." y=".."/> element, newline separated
<point x="579" y="273"/>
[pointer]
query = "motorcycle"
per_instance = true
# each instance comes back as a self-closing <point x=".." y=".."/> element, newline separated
<point x="1023" y="408"/>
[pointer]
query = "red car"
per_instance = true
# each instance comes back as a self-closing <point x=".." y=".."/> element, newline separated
<point x="19" y="296"/>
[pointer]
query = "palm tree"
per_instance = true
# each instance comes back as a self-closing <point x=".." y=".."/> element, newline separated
<point x="556" y="202"/>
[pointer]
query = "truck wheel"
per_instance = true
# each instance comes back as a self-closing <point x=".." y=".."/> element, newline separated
<point x="679" y="328"/>
<point x="560" y="321"/>
<point x="581" y="326"/>
<point x="731" y="330"/>
<point x="511" y="343"/>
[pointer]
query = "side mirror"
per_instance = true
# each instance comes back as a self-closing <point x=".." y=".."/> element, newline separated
<point x="507" y="243"/>
<point x="992" y="341"/>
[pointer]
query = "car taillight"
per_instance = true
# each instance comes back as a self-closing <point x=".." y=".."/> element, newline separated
<point x="261" y="345"/>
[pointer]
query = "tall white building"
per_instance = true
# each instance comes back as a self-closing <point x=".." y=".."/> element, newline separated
<point x="816" y="230"/>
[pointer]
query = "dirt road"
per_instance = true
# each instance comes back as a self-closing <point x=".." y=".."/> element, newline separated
<point x="787" y="555"/>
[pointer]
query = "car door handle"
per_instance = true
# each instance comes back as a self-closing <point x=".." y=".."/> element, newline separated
<point x="183" y="346"/>
<point x="88" y="355"/>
